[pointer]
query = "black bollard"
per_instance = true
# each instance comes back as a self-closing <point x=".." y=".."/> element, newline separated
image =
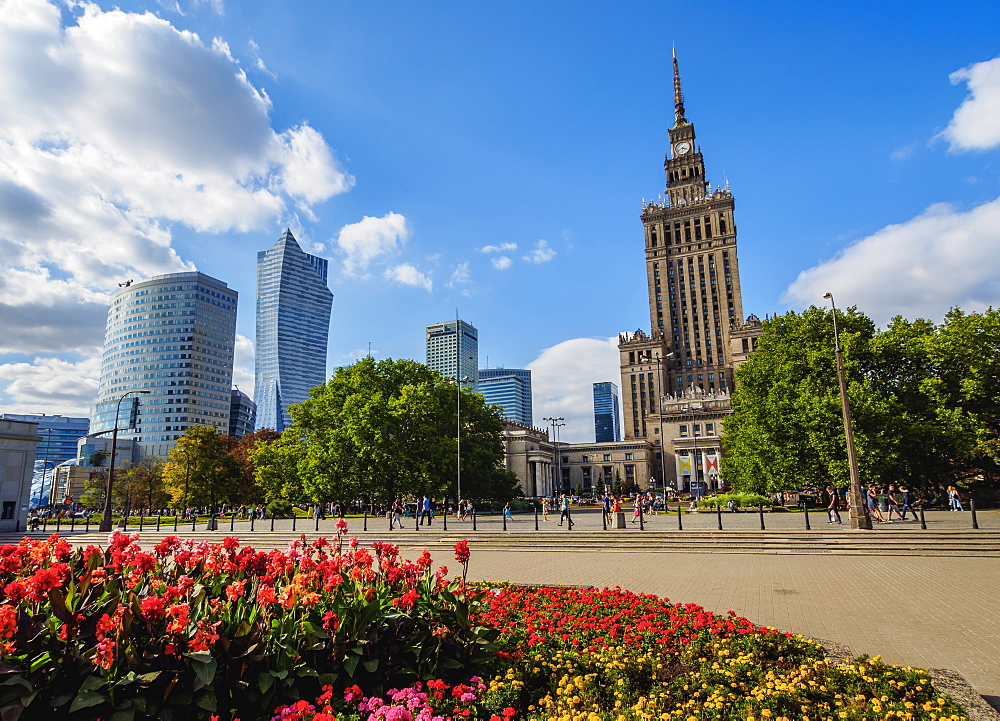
<point x="473" y="518"/>
<point x="140" y="524"/>
<point x="444" y="514"/>
<point x="604" y="518"/>
<point x="194" y="520"/>
<point x="642" y="526"/>
<point x="86" y="526"/>
<point x="536" y="519"/>
<point x="505" y="521"/>
<point x="317" y="523"/>
<point x="760" y="509"/>
<point x="295" y="519"/>
<point x="805" y="510"/>
<point x="972" y="507"/>
<point x="923" y="522"/>
<point x="157" y="521"/>
<point x="389" y="514"/>
<point x="680" y="519"/>
<point x="252" y="516"/>
<point x="416" y="519"/>
<point x="58" y="523"/>
<point x="272" y="521"/>
<point x="45" y="523"/>
<point x="72" y="523"/>
<point x="366" y="519"/>
<point x="718" y="515"/>
<point x="175" y="522"/>
<point x="569" y="519"/>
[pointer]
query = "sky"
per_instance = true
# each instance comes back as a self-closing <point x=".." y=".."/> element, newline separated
<point x="490" y="159"/>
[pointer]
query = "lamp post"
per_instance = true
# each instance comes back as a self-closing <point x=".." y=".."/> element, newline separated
<point x="106" y="518"/>
<point x="45" y="465"/>
<point x="458" y="435"/>
<point x="663" y="445"/>
<point x="859" y="518"/>
<point x="554" y="422"/>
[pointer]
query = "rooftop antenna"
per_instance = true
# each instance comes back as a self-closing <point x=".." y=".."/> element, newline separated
<point x="369" y="349"/>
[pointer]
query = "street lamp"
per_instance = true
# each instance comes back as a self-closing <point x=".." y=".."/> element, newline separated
<point x="556" y="425"/>
<point x="45" y="465"/>
<point x="106" y="517"/>
<point x="859" y="517"/>
<point x="458" y="435"/>
<point x="663" y="445"/>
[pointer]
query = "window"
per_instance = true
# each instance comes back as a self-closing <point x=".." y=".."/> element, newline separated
<point x="628" y="456"/>
<point x="684" y="431"/>
<point x="709" y="429"/>
<point x="607" y="456"/>
<point x="586" y="459"/>
<point x="8" y="509"/>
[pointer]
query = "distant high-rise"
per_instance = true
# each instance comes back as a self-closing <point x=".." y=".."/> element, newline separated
<point x="242" y="414"/>
<point x="510" y="388"/>
<point x="454" y="354"/>
<point x="293" y="327"/>
<point x="172" y="335"/>
<point x="57" y="437"/>
<point x="607" y="425"/>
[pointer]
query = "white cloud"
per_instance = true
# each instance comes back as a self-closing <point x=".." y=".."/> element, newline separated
<point x="541" y="254"/>
<point x="243" y="365"/>
<point x="408" y="275"/>
<point x="501" y="262"/>
<point x="562" y="382"/>
<point x="460" y="275"/>
<point x="976" y="123"/>
<point x="310" y="172"/>
<point x="939" y="259"/>
<point x="501" y="248"/>
<point x="51" y="385"/>
<point x="371" y="239"/>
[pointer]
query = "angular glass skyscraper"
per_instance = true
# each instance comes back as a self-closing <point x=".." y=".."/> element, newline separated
<point x="174" y="336"/>
<point x="293" y="326"/>
<point x="510" y="388"/>
<point x="607" y="423"/>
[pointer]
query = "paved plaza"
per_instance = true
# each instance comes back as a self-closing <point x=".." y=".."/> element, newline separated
<point x="916" y="609"/>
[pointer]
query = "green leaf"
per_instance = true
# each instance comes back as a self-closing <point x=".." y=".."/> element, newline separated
<point x="206" y="672"/>
<point x="86" y="699"/>
<point x="92" y="683"/>
<point x="351" y="664"/>
<point x="370" y="664"/>
<point x="200" y="656"/>
<point x="265" y="681"/>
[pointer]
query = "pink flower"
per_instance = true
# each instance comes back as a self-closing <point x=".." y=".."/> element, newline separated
<point x="341" y="526"/>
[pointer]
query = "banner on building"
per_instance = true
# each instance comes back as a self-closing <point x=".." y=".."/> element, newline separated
<point x="683" y="466"/>
<point x="711" y="461"/>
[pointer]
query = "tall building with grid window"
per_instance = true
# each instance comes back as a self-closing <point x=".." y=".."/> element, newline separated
<point x="607" y="425"/>
<point x="453" y="349"/>
<point x="293" y="326"/>
<point x="509" y="388"/>
<point x="172" y="335"/>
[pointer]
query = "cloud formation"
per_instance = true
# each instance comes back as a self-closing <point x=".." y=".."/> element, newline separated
<point x="976" y="123"/>
<point x="409" y="275"/>
<point x="51" y="385"/>
<point x="501" y="262"/>
<point x="541" y="254"/>
<point x="372" y="239"/>
<point x="942" y="258"/>
<point x="500" y="248"/>
<point x="562" y="383"/>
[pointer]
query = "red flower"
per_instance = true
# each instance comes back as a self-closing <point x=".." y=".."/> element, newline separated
<point x="462" y="552"/>
<point x="407" y="601"/>
<point x="153" y="608"/>
<point x="341" y="526"/>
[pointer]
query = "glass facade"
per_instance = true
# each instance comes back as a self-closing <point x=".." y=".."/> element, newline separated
<point x="510" y="388"/>
<point x="293" y="328"/>
<point x="172" y="335"/>
<point x="242" y="414"/>
<point x="607" y="414"/>
<point x="453" y="354"/>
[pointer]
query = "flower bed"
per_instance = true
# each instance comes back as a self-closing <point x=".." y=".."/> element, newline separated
<point x="323" y="631"/>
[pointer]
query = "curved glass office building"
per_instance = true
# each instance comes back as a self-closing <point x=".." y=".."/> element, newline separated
<point x="172" y="335"/>
<point x="293" y="326"/>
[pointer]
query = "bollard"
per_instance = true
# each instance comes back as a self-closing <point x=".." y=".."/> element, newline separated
<point x="157" y="521"/>
<point x="604" y="518"/>
<point x="317" y="523"/>
<point x="505" y="521"/>
<point x="536" y="519"/>
<point x="140" y="524"/>
<point x="473" y="518"/>
<point x="252" y="516"/>
<point x="58" y="523"/>
<point x="923" y="522"/>
<point x="175" y="522"/>
<point x="444" y="514"/>
<point x="642" y="526"/>
<point x="272" y="521"/>
<point x="805" y="510"/>
<point x="194" y="520"/>
<point x="569" y="519"/>
<point x="45" y="522"/>
<point x="86" y="527"/>
<point x="416" y="519"/>
<point x="760" y="510"/>
<point x="680" y="519"/>
<point x="972" y="507"/>
<point x="72" y="523"/>
<point x="389" y="514"/>
<point x="718" y="515"/>
<point x="366" y="519"/>
<point x="295" y="519"/>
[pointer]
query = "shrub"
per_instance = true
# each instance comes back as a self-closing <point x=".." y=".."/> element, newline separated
<point x="740" y="500"/>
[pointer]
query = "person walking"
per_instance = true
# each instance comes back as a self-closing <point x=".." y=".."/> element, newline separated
<point x="607" y="508"/>
<point x="893" y="500"/>
<point x="637" y="511"/>
<point x="833" y="505"/>
<point x="506" y="512"/>
<point x="545" y="508"/>
<point x="906" y="496"/>
<point x="395" y="514"/>
<point x="564" y="511"/>
<point x="871" y="500"/>
<point x="954" y="499"/>
<point x="425" y="511"/>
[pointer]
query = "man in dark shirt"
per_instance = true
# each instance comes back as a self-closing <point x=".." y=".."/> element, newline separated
<point x="906" y="496"/>
<point x="833" y="505"/>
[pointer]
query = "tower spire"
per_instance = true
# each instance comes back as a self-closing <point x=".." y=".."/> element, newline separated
<point x="679" y="118"/>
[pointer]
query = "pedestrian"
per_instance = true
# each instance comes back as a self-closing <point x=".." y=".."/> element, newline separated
<point x="883" y="504"/>
<point x="893" y="502"/>
<point x="607" y="508"/>
<point x="425" y="511"/>
<point x="545" y="509"/>
<point x="637" y="511"/>
<point x="395" y="514"/>
<point x="954" y="499"/>
<point x="616" y="506"/>
<point x="564" y="511"/>
<point x="506" y="512"/>
<point x="906" y="496"/>
<point x="833" y="505"/>
<point x="731" y="506"/>
<point x="871" y="499"/>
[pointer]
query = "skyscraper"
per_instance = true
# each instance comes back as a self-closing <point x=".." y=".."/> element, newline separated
<point x="57" y="437"/>
<point x="454" y="353"/>
<point x="510" y="388"/>
<point x="607" y="426"/>
<point x="242" y="414"/>
<point x="693" y="280"/>
<point x="293" y="327"/>
<point x="174" y="336"/>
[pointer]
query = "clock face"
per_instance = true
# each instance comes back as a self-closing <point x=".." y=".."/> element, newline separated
<point x="682" y="147"/>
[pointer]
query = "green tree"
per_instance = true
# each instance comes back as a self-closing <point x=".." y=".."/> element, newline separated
<point x="249" y="492"/>
<point x="94" y="488"/>
<point x="142" y="485"/>
<point x="200" y="464"/>
<point x="382" y="429"/>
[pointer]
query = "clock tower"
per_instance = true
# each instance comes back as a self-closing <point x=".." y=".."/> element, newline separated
<point x="692" y="275"/>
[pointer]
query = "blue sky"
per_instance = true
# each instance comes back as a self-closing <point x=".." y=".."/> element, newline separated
<point x="401" y="139"/>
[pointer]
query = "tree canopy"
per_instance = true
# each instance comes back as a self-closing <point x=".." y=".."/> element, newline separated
<point x="925" y="401"/>
<point x="200" y="471"/>
<point x="382" y="429"/>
